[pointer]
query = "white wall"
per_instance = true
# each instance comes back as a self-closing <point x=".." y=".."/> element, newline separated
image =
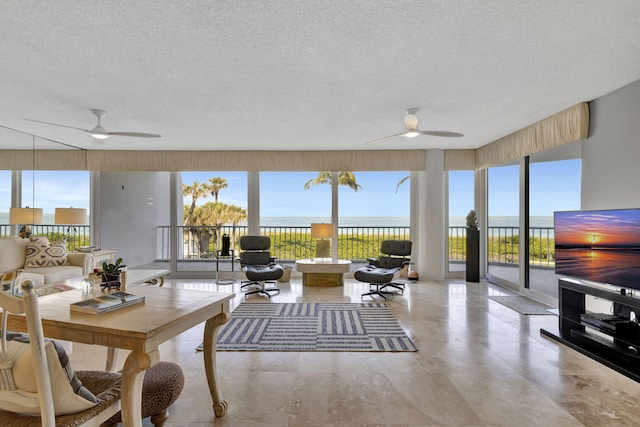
<point x="132" y="205"/>
<point x="611" y="154"/>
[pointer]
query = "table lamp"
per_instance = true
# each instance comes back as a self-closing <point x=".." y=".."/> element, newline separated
<point x="25" y="217"/>
<point x="71" y="217"/>
<point x="323" y="234"/>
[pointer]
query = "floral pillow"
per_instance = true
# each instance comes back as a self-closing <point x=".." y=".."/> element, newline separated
<point x="40" y="253"/>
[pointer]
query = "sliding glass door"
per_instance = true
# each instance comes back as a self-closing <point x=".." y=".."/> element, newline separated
<point x="553" y="186"/>
<point x="461" y="201"/>
<point x="503" y="231"/>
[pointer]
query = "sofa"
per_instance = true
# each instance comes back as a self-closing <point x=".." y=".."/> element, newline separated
<point x="13" y="256"/>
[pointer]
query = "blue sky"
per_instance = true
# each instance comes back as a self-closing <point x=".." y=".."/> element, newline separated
<point x="555" y="186"/>
<point x="283" y="193"/>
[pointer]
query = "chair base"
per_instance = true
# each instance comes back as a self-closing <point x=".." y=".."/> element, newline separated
<point x="245" y="283"/>
<point x="398" y="286"/>
<point x="263" y="290"/>
<point x="379" y="290"/>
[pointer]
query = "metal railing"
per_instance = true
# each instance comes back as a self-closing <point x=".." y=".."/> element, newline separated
<point x="503" y="245"/>
<point x="199" y="243"/>
<point x="75" y="236"/>
<point x="287" y="242"/>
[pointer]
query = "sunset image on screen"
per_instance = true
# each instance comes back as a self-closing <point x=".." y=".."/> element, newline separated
<point x="598" y="228"/>
<point x="601" y="246"/>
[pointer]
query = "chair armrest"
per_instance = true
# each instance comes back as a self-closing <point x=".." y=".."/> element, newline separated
<point x="374" y="262"/>
<point x="84" y="260"/>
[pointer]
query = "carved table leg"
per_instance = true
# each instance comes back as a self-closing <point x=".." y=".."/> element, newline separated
<point x="132" y="377"/>
<point x="210" y="333"/>
<point x="112" y="355"/>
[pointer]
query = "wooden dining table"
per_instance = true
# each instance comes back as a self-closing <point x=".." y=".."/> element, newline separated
<point x="140" y="328"/>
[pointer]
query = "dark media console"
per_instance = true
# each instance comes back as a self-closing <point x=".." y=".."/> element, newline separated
<point x="611" y="339"/>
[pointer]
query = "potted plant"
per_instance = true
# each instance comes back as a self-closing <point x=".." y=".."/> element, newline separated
<point x="111" y="272"/>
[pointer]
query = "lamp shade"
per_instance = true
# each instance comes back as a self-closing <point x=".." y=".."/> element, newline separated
<point x="321" y="231"/>
<point x="72" y="216"/>
<point x="25" y="216"/>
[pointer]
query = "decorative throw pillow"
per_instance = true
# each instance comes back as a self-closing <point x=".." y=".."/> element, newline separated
<point x="8" y="280"/>
<point x="69" y="395"/>
<point x="40" y="253"/>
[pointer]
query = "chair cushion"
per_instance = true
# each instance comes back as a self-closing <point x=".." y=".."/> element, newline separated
<point x="54" y="274"/>
<point x="40" y="253"/>
<point x="396" y="247"/>
<point x="255" y="243"/>
<point x="372" y="274"/>
<point x="255" y="258"/>
<point x="162" y="385"/>
<point x="391" y="262"/>
<point x="69" y="395"/>
<point x="263" y="272"/>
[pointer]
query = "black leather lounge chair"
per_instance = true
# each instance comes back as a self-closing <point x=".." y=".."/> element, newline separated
<point x="258" y="265"/>
<point x="381" y="272"/>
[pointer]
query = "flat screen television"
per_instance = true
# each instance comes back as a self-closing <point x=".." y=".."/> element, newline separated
<point x="600" y="246"/>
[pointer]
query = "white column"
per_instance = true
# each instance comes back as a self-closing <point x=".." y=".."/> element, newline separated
<point x="253" y="203"/>
<point x="431" y="260"/>
<point x="334" y="215"/>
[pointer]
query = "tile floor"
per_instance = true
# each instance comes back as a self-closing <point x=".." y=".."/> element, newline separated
<point x="479" y="364"/>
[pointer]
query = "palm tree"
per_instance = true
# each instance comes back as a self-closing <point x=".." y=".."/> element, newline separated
<point x="402" y="181"/>
<point x="236" y="215"/>
<point x="197" y="190"/>
<point x="216" y="214"/>
<point x="196" y="233"/>
<point x="215" y="185"/>
<point x="344" y="178"/>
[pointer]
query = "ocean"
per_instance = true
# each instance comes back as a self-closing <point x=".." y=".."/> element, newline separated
<point x="361" y="221"/>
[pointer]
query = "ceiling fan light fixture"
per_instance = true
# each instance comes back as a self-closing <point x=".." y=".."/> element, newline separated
<point x="99" y="132"/>
<point x="411" y="133"/>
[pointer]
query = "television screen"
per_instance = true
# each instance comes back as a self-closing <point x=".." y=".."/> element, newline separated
<point x="601" y="246"/>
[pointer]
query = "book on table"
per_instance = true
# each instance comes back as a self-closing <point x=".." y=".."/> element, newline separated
<point x="106" y="303"/>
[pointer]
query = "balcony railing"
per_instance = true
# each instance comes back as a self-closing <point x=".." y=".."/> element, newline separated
<point x="291" y="243"/>
<point x="503" y="245"/>
<point x="75" y="236"/>
<point x="287" y="243"/>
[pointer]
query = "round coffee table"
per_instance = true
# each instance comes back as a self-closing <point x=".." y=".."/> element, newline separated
<point x="323" y="273"/>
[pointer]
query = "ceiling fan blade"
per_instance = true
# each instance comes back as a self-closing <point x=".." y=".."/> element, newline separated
<point x="137" y="134"/>
<point x="441" y="133"/>
<point x="382" y="139"/>
<point x="56" y="124"/>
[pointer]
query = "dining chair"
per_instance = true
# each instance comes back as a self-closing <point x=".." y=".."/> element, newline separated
<point x="38" y="386"/>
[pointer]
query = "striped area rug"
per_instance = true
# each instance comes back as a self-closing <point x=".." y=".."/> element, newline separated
<point x="313" y="327"/>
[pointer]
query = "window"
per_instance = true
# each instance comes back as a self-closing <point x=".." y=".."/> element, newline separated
<point x="461" y="201"/>
<point x="215" y="203"/>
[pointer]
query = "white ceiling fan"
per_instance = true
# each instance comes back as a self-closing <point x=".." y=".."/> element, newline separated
<point x="411" y="121"/>
<point x="98" y="132"/>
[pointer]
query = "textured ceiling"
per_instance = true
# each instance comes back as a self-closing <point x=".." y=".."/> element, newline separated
<point x="305" y="75"/>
